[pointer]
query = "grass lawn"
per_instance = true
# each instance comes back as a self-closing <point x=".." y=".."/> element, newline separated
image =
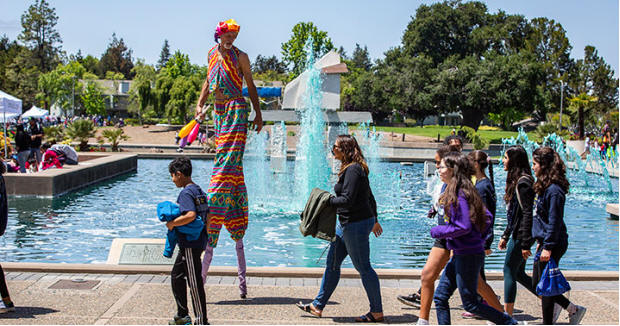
<point x="493" y="136"/>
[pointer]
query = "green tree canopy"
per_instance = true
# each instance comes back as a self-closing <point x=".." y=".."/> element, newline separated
<point x="141" y="91"/>
<point x="117" y="58"/>
<point x="264" y="64"/>
<point x="293" y="52"/>
<point x="92" y="99"/>
<point x="39" y="34"/>
<point x="164" y="55"/>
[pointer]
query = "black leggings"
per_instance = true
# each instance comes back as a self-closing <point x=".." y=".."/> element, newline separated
<point x="548" y="302"/>
<point x="4" y="291"/>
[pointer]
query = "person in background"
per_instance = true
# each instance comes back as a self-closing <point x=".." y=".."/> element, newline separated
<point x="67" y="154"/>
<point x="22" y="145"/>
<point x="454" y="140"/>
<point x="50" y="158"/>
<point x="548" y="227"/>
<point x="357" y="219"/>
<point x="36" y="137"/>
<point x="467" y="222"/>
<point x="517" y="237"/>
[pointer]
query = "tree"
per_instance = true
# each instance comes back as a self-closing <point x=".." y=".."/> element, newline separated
<point x="265" y="64"/>
<point x="22" y="77"/>
<point x="183" y="95"/>
<point x="58" y="86"/>
<point x="141" y="91"/>
<point x="293" y="51"/>
<point x="81" y="130"/>
<point x="92" y="99"/>
<point x="164" y="55"/>
<point x="361" y="58"/>
<point x="8" y="52"/>
<point x="581" y="104"/>
<point x="593" y="76"/>
<point x="117" y="58"/>
<point x="39" y="34"/>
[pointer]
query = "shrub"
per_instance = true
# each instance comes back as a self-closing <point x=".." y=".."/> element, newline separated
<point x="548" y="128"/>
<point x="474" y="138"/>
<point x="114" y="137"/>
<point x="54" y="134"/>
<point x="81" y="130"/>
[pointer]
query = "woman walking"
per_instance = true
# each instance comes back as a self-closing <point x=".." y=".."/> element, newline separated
<point x="357" y="218"/>
<point x="549" y="229"/>
<point x="227" y="195"/>
<point x="517" y="238"/>
<point x="467" y="223"/>
<point x="6" y="305"/>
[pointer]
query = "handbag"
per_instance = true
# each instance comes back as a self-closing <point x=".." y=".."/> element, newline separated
<point x="552" y="282"/>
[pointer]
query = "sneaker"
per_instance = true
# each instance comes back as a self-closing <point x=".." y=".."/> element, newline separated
<point x="6" y="307"/>
<point x="412" y="300"/>
<point x="557" y="310"/>
<point x="576" y="317"/>
<point x="187" y="320"/>
<point x="522" y="322"/>
<point x="469" y="315"/>
<point x="422" y="322"/>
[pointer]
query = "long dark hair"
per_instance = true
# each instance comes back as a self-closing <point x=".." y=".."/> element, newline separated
<point x="483" y="160"/>
<point x="552" y="170"/>
<point x="518" y="166"/>
<point x="351" y="152"/>
<point x="461" y="182"/>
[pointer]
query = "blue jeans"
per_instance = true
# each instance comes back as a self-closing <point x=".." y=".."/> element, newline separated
<point x="462" y="272"/>
<point x="352" y="240"/>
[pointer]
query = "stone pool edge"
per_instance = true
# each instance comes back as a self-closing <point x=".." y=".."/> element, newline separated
<point x="302" y="272"/>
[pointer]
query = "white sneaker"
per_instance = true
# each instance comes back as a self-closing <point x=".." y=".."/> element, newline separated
<point x="576" y="317"/>
<point x="522" y="322"/>
<point x="422" y="322"/>
<point x="557" y="310"/>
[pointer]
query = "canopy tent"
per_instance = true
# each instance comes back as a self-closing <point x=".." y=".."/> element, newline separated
<point x="8" y="105"/>
<point x="7" y="117"/>
<point x="35" y="112"/>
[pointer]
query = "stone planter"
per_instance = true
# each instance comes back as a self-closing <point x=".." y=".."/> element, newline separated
<point x="578" y="145"/>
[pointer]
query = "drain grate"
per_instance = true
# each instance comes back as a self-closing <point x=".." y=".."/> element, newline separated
<point x="76" y="284"/>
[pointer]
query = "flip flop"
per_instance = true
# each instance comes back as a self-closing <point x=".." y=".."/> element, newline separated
<point x="308" y="308"/>
<point x="368" y="318"/>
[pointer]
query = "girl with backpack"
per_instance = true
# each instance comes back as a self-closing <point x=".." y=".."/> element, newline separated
<point x="548" y="227"/>
<point x="517" y="238"/>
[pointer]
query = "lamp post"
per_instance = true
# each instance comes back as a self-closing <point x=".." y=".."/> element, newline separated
<point x="561" y="101"/>
<point x="72" y="96"/>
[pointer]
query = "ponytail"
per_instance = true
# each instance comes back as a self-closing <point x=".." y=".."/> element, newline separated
<point x="491" y="172"/>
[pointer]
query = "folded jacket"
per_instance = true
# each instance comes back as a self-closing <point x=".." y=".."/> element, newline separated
<point x="168" y="211"/>
<point x="319" y="218"/>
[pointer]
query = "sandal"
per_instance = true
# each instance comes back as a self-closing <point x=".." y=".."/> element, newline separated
<point x="368" y="318"/>
<point x="309" y="309"/>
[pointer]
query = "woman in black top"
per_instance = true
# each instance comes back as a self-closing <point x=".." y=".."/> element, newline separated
<point x="548" y="227"/>
<point x="517" y="237"/>
<point x="357" y="218"/>
<point x="22" y="144"/>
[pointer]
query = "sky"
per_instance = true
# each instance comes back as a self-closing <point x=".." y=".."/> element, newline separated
<point x="265" y="25"/>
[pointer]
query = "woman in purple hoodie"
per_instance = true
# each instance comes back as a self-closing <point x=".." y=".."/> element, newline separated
<point x="467" y="223"/>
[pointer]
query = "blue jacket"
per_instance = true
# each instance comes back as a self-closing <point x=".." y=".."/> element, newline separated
<point x="168" y="211"/>
<point x="548" y="226"/>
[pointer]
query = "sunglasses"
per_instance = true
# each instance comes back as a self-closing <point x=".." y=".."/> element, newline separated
<point x="334" y="147"/>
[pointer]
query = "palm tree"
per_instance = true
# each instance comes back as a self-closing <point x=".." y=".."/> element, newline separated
<point x="81" y="130"/>
<point x="114" y="136"/>
<point x="581" y="103"/>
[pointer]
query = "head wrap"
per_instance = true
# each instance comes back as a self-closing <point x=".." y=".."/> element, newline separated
<point x="225" y="27"/>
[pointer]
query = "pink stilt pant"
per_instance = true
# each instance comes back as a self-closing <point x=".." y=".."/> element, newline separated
<point x="206" y="262"/>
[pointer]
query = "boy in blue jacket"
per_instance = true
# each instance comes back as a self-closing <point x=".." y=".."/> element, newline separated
<point x="192" y="203"/>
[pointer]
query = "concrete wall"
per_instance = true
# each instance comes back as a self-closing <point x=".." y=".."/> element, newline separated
<point x="91" y="169"/>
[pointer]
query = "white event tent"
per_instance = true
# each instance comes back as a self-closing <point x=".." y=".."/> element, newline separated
<point x="35" y="112"/>
<point x="9" y="105"/>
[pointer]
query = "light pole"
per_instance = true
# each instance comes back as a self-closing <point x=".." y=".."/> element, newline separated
<point x="72" y="96"/>
<point x="561" y="101"/>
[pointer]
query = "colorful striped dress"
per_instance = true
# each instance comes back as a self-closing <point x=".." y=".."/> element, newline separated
<point x="228" y="198"/>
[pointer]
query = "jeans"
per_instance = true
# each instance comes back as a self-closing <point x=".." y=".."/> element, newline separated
<point x="514" y="271"/>
<point x="352" y="240"/>
<point x="539" y="267"/>
<point x="462" y="272"/>
<point x="22" y="157"/>
<point x="36" y="153"/>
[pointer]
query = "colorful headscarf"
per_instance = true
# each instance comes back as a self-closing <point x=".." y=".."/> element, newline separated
<point x="225" y="27"/>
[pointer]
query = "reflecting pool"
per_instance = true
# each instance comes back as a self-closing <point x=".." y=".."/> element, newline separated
<point x="79" y="227"/>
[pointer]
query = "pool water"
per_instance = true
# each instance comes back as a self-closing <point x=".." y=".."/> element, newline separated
<point x="80" y="227"/>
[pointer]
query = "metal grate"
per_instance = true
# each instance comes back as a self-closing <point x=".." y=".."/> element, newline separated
<point x="76" y="284"/>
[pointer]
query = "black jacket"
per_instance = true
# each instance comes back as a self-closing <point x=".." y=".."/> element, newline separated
<point x="22" y="141"/>
<point x="519" y="219"/>
<point x="319" y="219"/>
<point x="4" y="207"/>
<point x="354" y="199"/>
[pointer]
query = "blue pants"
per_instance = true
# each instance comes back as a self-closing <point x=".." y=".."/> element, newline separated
<point x="352" y="240"/>
<point x="462" y="272"/>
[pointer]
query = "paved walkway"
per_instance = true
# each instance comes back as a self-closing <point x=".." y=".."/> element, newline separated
<point x="147" y="299"/>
